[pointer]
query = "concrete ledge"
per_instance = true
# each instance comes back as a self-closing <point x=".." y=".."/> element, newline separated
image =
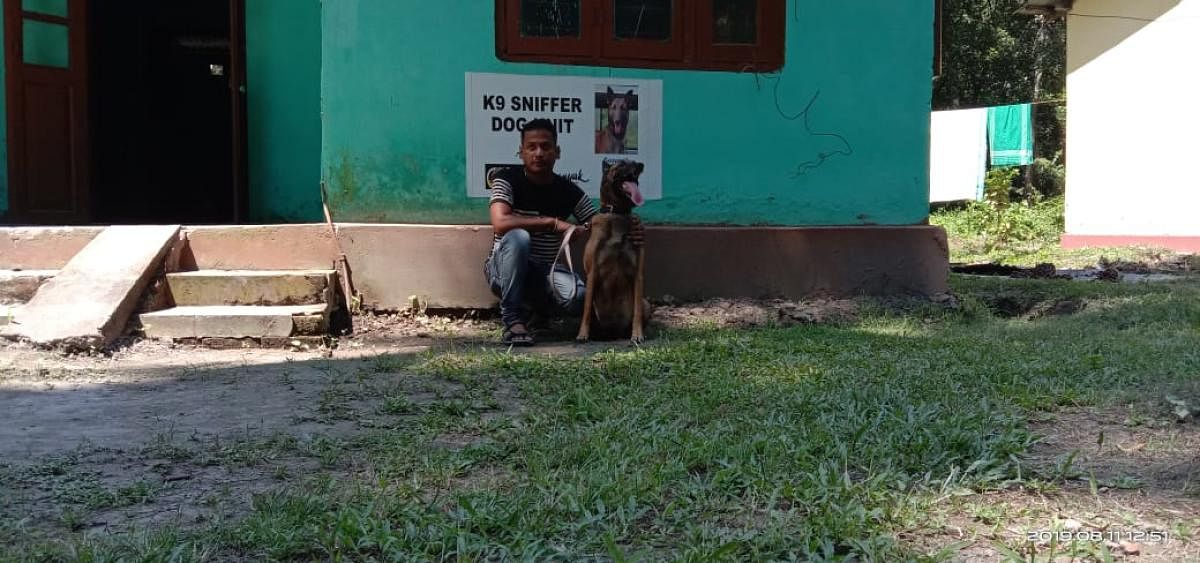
<point x="444" y="263"/>
<point x="1176" y="243"/>
<point x="258" y="247"/>
<point x="42" y="248"/>
<point x="700" y="263"/>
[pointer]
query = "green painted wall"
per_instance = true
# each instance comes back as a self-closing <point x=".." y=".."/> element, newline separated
<point x="734" y="152"/>
<point x="283" y="74"/>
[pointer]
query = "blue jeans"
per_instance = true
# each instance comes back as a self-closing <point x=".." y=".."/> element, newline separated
<point x="523" y="285"/>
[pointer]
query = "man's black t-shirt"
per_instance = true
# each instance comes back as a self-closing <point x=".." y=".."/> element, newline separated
<point x="561" y="199"/>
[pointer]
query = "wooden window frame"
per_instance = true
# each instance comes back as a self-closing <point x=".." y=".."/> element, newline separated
<point x="760" y="53"/>
<point x="691" y="47"/>
<point x="509" y="16"/>
<point x="612" y="48"/>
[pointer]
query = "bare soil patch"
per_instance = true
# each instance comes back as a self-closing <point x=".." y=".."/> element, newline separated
<point x="156" y="434"/>
<point x="1128" y="479"/>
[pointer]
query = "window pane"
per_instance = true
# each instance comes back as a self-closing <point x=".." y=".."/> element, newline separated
<point x="735" y="22"/>
<point x="550" y="18"/>
<point x="45" y="43"/>
<point x="51" y="7"/>
<point x="642" y="19"/>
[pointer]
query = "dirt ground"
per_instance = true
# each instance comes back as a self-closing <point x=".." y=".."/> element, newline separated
<point x="159" y="433"/>
<point x="51" y="402"/>
<point x="156" y="433"/>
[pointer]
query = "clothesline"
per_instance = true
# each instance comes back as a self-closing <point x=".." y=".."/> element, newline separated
<point x="1039" y="102"/>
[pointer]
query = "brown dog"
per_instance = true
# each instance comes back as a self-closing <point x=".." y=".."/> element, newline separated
<point x="611" y="139"/>
<point x="613" y="304"/>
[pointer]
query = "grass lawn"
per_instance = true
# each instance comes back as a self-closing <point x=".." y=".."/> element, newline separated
<point x="1025" y="234"/>
<point x="907" y="433"/>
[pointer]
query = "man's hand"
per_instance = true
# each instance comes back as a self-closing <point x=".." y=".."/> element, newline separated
<point x="637" y="233"/>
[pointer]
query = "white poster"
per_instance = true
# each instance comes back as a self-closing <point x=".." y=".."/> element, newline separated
<point x="599" y="120"/>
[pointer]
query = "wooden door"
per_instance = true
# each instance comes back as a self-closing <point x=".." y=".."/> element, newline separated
<point x="237" y="91"/>
<point x="47" y="86"/>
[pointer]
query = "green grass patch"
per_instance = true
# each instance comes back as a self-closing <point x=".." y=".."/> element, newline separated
<point x="987" y="228"/>
<point x="1025" y="234"/>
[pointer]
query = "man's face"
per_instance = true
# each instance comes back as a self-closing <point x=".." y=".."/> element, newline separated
<point x="538" y="151"/>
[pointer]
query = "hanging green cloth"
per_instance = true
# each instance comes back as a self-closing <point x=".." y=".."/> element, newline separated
<point x="1010" y="134"/>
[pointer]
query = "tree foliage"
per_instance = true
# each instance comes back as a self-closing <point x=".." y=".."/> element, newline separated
<point x="991" y="53"/>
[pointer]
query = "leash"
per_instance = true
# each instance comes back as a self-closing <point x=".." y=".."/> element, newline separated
<point x="564" y="251"/>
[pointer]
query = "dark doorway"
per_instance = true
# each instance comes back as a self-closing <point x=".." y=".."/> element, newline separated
<point x="164" y="128"/>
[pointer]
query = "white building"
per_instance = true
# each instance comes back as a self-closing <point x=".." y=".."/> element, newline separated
<point x="1133" y="121"/>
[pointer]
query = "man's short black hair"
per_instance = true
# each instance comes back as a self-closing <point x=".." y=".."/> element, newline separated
<point x="540" y="124"/>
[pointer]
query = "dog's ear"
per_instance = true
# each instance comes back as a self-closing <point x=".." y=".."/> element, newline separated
<point x="629" y="94"/>
<point x="640" y="167"/>
<point x="610" y="92"/>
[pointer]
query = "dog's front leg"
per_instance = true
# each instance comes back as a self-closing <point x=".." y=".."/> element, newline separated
<point x="639" y="312"/>
<point x="585" y="324"/>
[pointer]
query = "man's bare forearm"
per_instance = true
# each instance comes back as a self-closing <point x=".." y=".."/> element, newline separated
<point x="534" y="224"/>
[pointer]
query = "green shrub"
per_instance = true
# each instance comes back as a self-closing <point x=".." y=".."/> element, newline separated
<point x="1049" y="177"/>
<point x="997" y="223"/>
<point x="997" y="187"/>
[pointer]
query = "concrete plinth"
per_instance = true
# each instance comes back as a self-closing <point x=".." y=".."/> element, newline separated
<point x="444" y="264"/>
<point x="1175" y="243"/>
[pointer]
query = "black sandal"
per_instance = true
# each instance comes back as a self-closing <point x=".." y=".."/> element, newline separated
<point x="512" y="338"/>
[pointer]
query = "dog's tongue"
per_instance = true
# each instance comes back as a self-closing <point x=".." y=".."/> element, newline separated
<point x="635" y="195"/>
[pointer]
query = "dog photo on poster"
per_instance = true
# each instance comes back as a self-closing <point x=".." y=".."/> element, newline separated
<point x="616" y="118"/>
<point x="599" y="121"/>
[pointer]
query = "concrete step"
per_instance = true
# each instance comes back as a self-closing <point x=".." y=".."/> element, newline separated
<point x="252" y="287"/>
<point x="18" y="286"/>
<point x="237" y="321"/>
